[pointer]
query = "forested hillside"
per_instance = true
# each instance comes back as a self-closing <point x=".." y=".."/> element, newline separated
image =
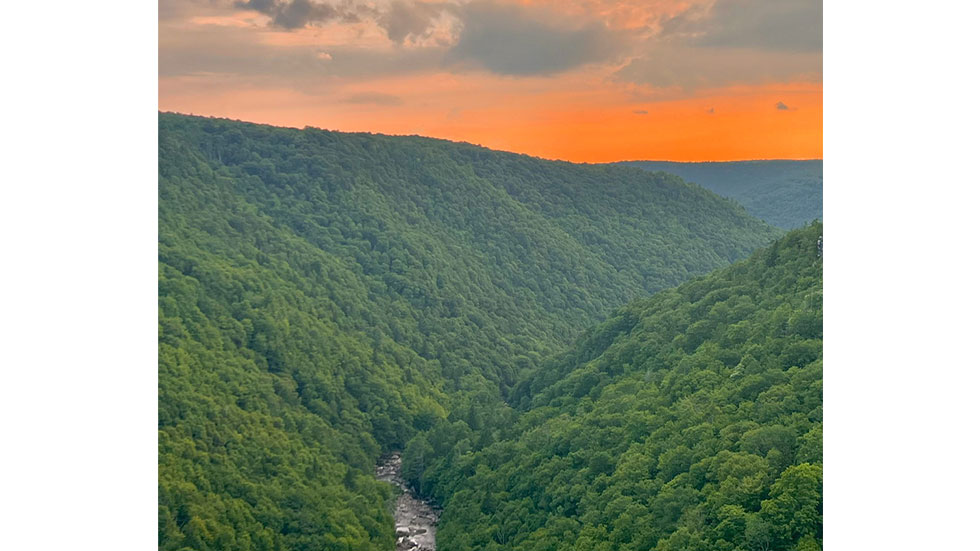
<point x="691" y="420"/>
<point x="787" y="194"/>
<point x="325" y="297"/>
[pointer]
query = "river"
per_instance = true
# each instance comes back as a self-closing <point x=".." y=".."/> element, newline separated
<point x="415" y="520"/>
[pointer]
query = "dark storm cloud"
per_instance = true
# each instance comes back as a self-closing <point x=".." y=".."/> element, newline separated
<point x="513" y="40"/>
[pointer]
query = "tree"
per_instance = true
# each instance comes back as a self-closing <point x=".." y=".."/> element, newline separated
<point x="796" y="505"/>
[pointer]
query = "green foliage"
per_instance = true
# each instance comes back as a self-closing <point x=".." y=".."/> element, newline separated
<point x="689" y="420"/>
<point x="324" y="297"/>
<point x="787" y="194"/>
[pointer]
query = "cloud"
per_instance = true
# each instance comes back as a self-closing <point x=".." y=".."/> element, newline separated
<point x="785" y="25"/>
<point x="640" y="112"/>
<point x="766" y="42"/>
<point x="196" y="50"/>
<point x="782" y="106"/>
<point x="373" y="98"/>
<point x="447" y="35"/>
<point x="175" y="10"/>
<point x="360" y="63"/>
<point x="733" y="42"/>
<point x="263" y="6"/>
<point x="710" y="111"/>
<point x="516" y="40"/>
<point x="401" y="19"/>
<point x="690" y="67"/>
<point x="296" y="14"/>
<point x="407" y="19"/>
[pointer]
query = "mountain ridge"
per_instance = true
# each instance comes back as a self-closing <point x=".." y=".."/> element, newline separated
<point x="324" y="297"/>
<point x="691" y="419"/>
<point x="786" y="193"/>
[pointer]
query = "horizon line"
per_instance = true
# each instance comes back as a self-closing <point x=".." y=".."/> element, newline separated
<point x="555" y="159"/>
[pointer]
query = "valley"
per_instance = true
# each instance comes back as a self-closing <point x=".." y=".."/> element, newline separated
<point x="556" y="354"/>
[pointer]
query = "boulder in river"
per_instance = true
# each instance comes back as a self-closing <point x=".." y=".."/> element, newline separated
<point x="415" y="520"/>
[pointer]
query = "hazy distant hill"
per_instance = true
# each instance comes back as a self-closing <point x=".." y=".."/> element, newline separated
<point x="326" y="296"/>
<point x="787" y="194"/>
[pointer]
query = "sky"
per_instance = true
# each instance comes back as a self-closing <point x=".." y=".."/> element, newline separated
<point x="578" y="80"/>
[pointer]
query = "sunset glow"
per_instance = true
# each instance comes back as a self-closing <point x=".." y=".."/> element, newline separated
<point x="587" y="80"/>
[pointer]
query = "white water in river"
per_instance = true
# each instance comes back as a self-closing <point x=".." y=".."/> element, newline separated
<point x="415" y="520"/>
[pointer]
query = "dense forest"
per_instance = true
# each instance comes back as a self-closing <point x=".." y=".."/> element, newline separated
<point x="691" y="420"/>
<point x="787" y="194"/>
<point x="325" y="297"/>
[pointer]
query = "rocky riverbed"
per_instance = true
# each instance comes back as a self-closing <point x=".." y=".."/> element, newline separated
<point x="415" y="520"/>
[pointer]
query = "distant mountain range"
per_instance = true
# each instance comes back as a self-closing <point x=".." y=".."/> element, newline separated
<point x="787" y="194"/>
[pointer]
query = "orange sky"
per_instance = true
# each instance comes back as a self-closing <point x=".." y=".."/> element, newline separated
<point x="588" y="80"/>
